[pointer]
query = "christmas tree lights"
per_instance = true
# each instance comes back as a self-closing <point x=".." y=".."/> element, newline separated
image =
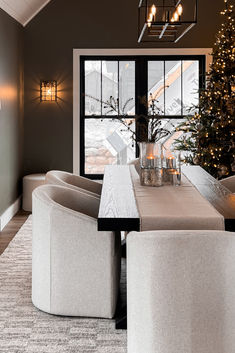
<point x="211" y="131"/>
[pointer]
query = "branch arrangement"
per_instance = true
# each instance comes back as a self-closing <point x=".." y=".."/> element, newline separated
<point x="150" y="127"/>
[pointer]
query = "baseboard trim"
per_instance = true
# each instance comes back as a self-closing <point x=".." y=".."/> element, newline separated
<point x="9" y="213"/>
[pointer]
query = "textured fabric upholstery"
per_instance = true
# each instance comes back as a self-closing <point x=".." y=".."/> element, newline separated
<point x="73" y="181"/>
<point x="229" y="183"/>
<point x="31" y="182"/>
<point x="75" y="268"/>
<point x="181" y="292"/>
<point x="136" y="163"/>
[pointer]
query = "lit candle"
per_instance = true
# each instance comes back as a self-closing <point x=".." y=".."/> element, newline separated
<point x="176" y="176"/>
<point x="150" y="159"/>
<point x="170" y="162"/>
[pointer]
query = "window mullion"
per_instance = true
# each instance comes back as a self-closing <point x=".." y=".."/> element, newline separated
<point x="141" y="97"/>
<point x="101" y="88"/>
<point x="181" y="82"/>
<point x="164" y="83"/>
<point x="118" y="90"/>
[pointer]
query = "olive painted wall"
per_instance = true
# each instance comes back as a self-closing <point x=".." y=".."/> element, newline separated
<point x="11" y="109"/>
<point x="49" y="41"/>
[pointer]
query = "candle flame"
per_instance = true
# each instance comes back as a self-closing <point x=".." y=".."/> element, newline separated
<point x="150" y="157"/>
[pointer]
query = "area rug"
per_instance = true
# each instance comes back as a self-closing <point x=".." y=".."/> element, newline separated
<point x="23" y="328"/>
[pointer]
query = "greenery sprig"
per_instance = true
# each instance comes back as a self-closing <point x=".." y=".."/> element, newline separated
<point x="150" y="127"/>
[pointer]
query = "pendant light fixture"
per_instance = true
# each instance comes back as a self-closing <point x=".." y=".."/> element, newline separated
<point x="165" y="20"/>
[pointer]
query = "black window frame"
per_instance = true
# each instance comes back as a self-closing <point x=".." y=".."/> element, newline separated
<point x="141" y="90"/>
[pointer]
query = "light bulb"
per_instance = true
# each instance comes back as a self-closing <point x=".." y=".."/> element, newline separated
<point x="180" y="9"/>
<point x="150" y="17"/>
<point x="153" y="9"/>
<point x="49" y="91"/>
<point x="176" y="16"/>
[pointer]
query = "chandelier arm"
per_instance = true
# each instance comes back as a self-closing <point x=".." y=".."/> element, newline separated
<point x="142" y="32"/>
<point x="184" y="32"/>
<point x="163" y="30"/>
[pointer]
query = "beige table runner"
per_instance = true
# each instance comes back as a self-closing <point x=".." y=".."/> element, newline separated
<point x="174" y="207"/>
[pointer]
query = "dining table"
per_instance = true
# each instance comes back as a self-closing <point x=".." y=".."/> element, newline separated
<point x="199" y="202"/>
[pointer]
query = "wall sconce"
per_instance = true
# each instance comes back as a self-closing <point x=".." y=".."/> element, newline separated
<point x="48" y="91"/>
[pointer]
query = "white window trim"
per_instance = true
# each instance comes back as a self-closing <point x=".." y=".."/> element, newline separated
<point x="118" y="52"/>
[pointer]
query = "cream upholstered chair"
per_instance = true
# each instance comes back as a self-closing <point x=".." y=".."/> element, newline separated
<point x="136" y="163"/>
<point x="181" y="292"/>
<point x="229" y="183"/>
<point x="75" y="268"/>
<point x="73" y="181"/>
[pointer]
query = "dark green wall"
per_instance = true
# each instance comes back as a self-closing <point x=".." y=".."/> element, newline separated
<point x="49" y="41"/>
<point x="11" y="112"/>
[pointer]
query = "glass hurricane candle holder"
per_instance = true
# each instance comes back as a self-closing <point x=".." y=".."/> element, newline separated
<point x="176" y="177"/>
<point x="171" y="167"/>
<point x="150" y="164"/>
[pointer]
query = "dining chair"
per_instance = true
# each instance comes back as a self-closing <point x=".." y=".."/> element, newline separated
<point x="229" y="183"/>
<point x="136" y="163"/>
<point x="181" y="292"/>
<point x="73" y="181"/>
<point x="75" y="268"/>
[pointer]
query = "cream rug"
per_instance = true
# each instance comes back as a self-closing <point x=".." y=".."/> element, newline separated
<point x="23" y="328"/>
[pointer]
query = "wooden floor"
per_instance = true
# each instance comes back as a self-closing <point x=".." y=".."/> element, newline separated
<point x="12" y="228"/>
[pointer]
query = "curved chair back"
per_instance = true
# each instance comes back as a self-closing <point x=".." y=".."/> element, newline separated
<point x="229" y="183"/>
<point x="181" y="292"/>
<point x="136" y="163"/>
<point x="73" y="181"/>
<point x="75" y="268"/>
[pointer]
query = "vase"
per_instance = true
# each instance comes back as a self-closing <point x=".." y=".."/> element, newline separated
<point x="150" y="163"/>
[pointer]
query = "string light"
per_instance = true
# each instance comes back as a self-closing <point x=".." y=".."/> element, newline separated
<point x="214" y="126"/>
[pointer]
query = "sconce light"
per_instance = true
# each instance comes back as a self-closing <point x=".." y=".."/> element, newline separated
<point x="48" y="91"/>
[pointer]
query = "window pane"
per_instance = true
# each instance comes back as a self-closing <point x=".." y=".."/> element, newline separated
<point x="156" y="83"/>
<point x="109" y="85"/>
<point x="106" y="142"/>
<point x="168" y="141"/>
<point x="127" y="87"/>
<point x="190" y="77"/>
<point x="173" y="87"/>
<point x="170" y="125"/>
<point x="92" y="87"/>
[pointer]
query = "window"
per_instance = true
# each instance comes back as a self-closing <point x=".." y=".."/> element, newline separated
<point x="172" y="80"/>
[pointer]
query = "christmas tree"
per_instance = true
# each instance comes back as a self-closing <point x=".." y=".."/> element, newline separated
<point x="210" y="133"/>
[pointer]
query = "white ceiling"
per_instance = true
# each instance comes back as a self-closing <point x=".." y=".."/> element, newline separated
<point x="23" y="10"/>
